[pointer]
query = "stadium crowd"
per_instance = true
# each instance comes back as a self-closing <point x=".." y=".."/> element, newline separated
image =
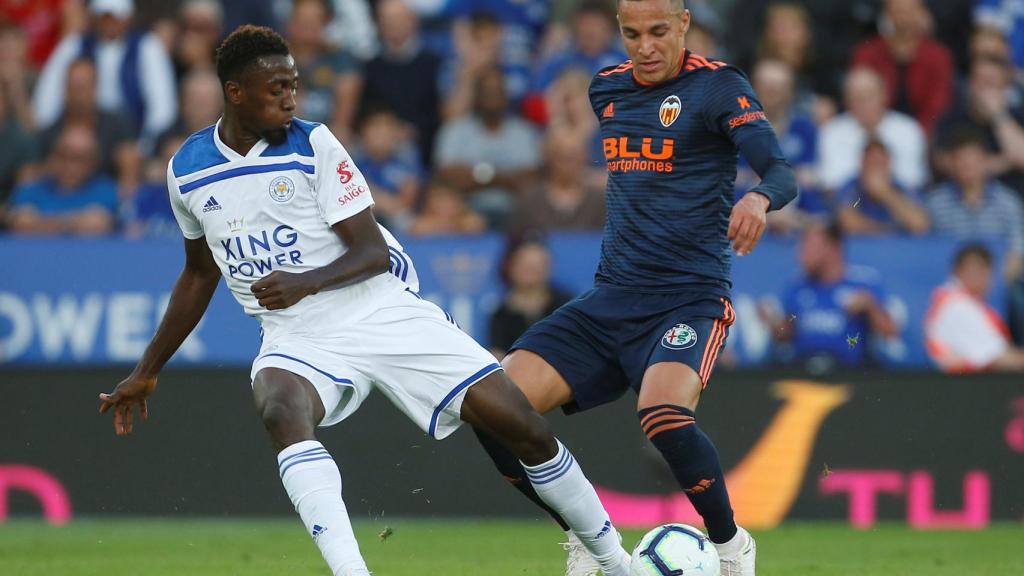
<point x="901" y="117"/>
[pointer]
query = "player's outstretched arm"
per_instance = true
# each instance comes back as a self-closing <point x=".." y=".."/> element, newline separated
<point x="366" y="256"/>
<point x="191" y="295"/>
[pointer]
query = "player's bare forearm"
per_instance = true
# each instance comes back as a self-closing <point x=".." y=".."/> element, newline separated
<point x="366" y="256"/>
<point x="189" y="299"/>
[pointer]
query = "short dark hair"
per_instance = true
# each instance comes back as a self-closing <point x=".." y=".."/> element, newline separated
<point x="974" y="249"/>
<point x="243" y="47"/>
<point x="964" y="135"/>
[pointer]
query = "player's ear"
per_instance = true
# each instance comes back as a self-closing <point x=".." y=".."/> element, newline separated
<point x="685" y="17"/>
<point x="233" y="92"/>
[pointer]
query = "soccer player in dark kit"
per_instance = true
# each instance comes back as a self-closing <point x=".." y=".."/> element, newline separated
<point x="658" y="315"/>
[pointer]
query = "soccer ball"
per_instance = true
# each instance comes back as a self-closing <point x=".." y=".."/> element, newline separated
<point x="675" y="550"/>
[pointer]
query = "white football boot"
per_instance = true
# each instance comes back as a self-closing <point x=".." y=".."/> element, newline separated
<point x="740" y="562"/>
<point x="581" y="563"/>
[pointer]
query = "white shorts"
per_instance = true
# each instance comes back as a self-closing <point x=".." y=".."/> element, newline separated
<point x="409" y="349"/>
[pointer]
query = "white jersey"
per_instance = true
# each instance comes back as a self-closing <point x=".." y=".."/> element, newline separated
<point x="273" y="209"/>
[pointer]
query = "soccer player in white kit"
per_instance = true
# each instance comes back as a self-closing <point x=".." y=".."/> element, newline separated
<point x="276" y="206"/>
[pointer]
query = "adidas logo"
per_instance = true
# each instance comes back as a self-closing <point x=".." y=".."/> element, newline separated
<point x="604" y="531"/>
<point x="211" y="205"/>
<point x="318" y="530"/>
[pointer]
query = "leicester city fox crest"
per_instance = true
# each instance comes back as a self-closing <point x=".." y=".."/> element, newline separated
<point x="679" y="337"/>
<point x="282" y="189"/>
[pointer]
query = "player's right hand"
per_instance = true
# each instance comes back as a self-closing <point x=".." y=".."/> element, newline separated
<point x="132" y="391"/>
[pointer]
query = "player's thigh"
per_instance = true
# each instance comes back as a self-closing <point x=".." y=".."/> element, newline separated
<point x="324" y="368"/>
<point x="424" y="364"/>
<point x="682" y="359"/>
<point x="542" y="385"/>
<point x="569" y="359"/>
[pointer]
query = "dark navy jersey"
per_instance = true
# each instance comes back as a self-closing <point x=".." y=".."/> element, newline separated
<point x="671" y="150"/>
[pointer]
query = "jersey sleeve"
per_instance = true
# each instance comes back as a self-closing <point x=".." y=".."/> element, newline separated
<point x="190" y="226"/>
<point x="341" y="190"/>
<point x="732" y="109"/>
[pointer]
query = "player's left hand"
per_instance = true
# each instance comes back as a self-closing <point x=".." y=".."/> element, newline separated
<point x="747" y="223"/>
<point x="279" y="290"/>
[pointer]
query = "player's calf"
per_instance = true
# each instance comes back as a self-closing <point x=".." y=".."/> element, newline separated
<point x="500" y="409"/>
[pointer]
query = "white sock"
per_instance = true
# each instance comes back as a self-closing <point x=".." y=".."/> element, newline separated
<point x="313" y="482"/>
<point x="561" y="484"/>
<point x="734" y="546"/>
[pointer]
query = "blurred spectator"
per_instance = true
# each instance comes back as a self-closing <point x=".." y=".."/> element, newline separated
<point x="831" y="315"/>
<point x="866" y="117"/>
<point x="526" y="270"/>
<point x="595" y="45"/>
<point x="798" y="137"/>
<point x="198" y="35"/>
<point x="963" y="333"/>
<point x="564" y="199"/>
<point x="949" y="27"/>
<point x="973" y="205"/>
<point x="445" y="212"/>
<point x="329" y="80"/>
<point x="918" y="71"/>
<point x="705" y="28"/>
<point x="202" y="102"/>
<point x="255" y="12"/>
<point x="1007" y="17"/>
<point x="134" y="72"/>
<point x="74" y="198"/>
<point x="118" y="155"/>
<point x="491" y="154"/>
<point x="403" y="76"/>
<point x="787" y="37"/>
<point x="17" y="144"/>
<point x="827" y="29"/>
<point x="15" y="79"/>
<point x="349" y="25"/>
<point x="568" y="109"/>
<point x="390" y="165"/>
<point x="994" y="109"/>
<point x="43" y="22"/>
<point x="477" y="49"/>
<point x="522" y="27"/>
<point x="874" y="203"/>
<point x="149" y="213"/>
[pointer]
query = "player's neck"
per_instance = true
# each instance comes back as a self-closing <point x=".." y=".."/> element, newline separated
<point x="234" y="136"/>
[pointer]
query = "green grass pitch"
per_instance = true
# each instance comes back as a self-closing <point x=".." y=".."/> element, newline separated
<point x="279" y="547"/>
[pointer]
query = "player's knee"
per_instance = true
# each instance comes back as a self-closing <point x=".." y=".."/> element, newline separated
<point x="536" y="443"/>
<point x="285" y="421"/>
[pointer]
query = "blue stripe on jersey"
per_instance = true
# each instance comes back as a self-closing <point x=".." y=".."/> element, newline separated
<point x="303" y="362"/>
<point x="479" y="375"/>
<point x="402" y="267"/>
<point x="297" y="142"/>
<point x="244" y="170"/>
<point x="197" y="153"/>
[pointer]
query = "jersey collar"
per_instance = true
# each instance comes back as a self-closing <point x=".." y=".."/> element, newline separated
<point x="229" y="152"/>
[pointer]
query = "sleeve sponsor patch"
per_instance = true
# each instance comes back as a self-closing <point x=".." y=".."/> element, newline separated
<point x="746" y="118"/>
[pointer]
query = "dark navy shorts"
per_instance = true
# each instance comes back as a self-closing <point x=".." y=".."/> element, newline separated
<point x="603" y="341"/>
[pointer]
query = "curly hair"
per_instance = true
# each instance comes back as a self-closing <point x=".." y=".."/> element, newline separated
<point x="243" y="47"/>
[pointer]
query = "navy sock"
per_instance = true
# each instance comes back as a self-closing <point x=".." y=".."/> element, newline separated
<point x="694" y="461"/>
<point x="512" y="469"/>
